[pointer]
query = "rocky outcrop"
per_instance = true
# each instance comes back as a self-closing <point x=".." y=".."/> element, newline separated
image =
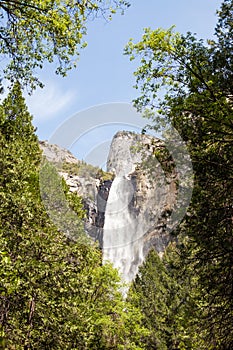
<point x="153" y="201"/>
<point x="154" y="191"/>
<point x="142" y="198"/>
<point x="56" y="154"/>
<point x="87" y="181"/>
<point x="130" y="214"/>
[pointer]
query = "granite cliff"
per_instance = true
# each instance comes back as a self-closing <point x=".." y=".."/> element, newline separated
<point x="140" y="202"/>
<point x="127" y="207"/>
<point x="89" y="182"/>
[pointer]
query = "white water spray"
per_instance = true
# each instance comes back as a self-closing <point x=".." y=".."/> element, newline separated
<point x="122" y="239"/>
<point x="143" y="207"/>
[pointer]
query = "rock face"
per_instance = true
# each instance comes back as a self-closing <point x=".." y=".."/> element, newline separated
<point x="87" y="182"/>
<point x="55" y="154"/>
<point x="139" y="203"/>
<point x="130" y="214"/>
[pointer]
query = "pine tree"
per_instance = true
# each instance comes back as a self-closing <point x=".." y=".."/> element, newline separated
<point x="54" y="291"/>
<point x="163" y="291"/>
<point x="196" y="78"/>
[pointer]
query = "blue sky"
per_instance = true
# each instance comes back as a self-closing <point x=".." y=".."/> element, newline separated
<point x="104" y="74"/>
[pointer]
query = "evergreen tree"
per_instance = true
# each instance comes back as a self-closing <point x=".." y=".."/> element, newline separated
<point x="54" y="291"/>
<point x="163" y="290"/>
<point x="197" y="81"/>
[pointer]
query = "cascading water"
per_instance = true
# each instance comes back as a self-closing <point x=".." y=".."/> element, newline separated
<point x="122" y="238"/>
<point x="137" y="208"/>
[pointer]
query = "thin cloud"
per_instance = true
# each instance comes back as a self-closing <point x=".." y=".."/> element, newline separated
<point x="46" y="103"/>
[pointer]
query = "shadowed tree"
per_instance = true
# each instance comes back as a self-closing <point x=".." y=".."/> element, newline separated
<point x="196" y="80"/>
<point x="54" y="291"/>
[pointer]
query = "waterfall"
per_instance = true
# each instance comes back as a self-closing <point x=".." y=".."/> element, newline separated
<point x="138" y="205"/>
<point x="123" y="234"/>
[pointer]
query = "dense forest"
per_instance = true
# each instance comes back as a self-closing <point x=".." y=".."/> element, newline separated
<point x="55" y="292"/>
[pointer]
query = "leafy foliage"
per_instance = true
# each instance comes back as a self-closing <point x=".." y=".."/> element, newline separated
<point x="54" y="291"/>
<point x="164" y="292"/>
<point x="196" y="83"/>
<point x="83" y="169"/>
<point x="37" y="31"/>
